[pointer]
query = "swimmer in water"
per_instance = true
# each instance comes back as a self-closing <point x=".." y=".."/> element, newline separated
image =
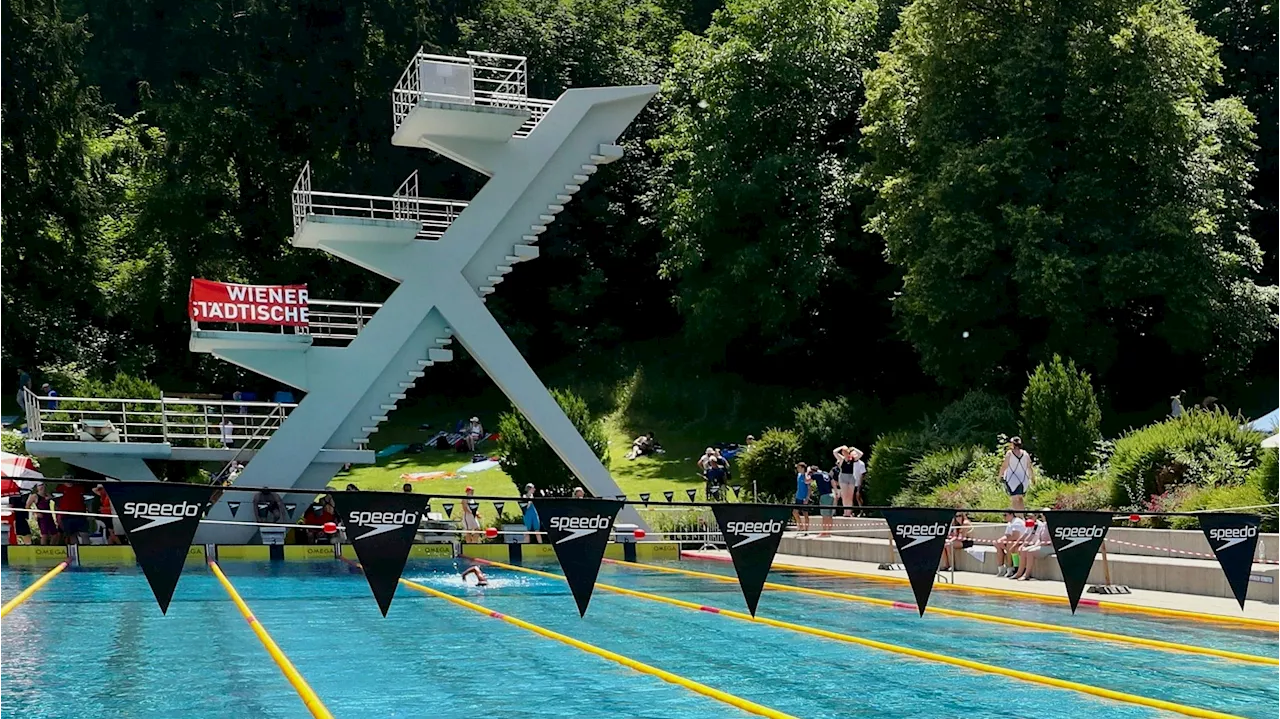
<point x="481" y="580"/>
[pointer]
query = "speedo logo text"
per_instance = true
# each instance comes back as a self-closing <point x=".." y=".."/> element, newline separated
<point x="753" y="531"/>
<point x="579" y="526"/>
<point x="1077" y="535"/>
<point x="1231" y="536"/>
<point x="920" y="533"/>
<point x="159" y="514"/>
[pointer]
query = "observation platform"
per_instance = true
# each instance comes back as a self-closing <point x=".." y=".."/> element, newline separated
<point x="114" y="436"/>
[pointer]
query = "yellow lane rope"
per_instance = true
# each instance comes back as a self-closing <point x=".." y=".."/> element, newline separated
<point x="1137" y="608"/>
<point x="309" y="698"/>
<point x="907" y="651"/>
<point x="743" y="704"/>
<point x="35" y="587"/>
<point x="1092" y="634"/>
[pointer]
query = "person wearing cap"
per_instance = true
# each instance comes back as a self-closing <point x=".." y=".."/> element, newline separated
<point x="849" y="480"/>
<point x="470" y="517"/>
<point x="101" y="504"/>
<point x="1017" y="473"/>
<point x="579" y="493"/>
<point x="474" y="432"/>
<point x="531" y="524"/>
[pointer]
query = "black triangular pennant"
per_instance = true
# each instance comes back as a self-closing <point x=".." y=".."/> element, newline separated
<point x="160" y="520"/>
<point x="1076" y="537"/>
<point x="621" y="497"/>
<point x="693" y="494"/>
<point x="669" y="494"/>
<point x="315" y="506"/>
<point x="523" y="504"/>
<point x="578" y="530"/>
<point x="497" y="508"/>
<point x="1234" y="538"/>
<point x="234" y="507"/>
<point x="473" y="505"/>
<point x="644" y="497"/>
<point x="920" y="535"/>
<point x="381" y="526"/>
<point x="753" y="532"/>
<point x="57" y="495"/>
<point x="736" y="490"/>
<point x="262" y="506"/>
<point x="290" y="507"/>
<point x="448" y="510"/>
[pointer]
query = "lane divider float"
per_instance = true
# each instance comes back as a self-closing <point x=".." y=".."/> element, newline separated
<point x="735" y="701"/>
<point x="35" y="587"/>
<point x="906" y="651"/>
<point x="309" y="698"/>
<point x="1084" y="601"/>
<point x="1009" y="621"/>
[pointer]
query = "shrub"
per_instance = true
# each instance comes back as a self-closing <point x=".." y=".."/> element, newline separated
<point x="526" y="456"/>
<point x="892" y="456"/>
<point x="1060" y="419"/>
<point x="13" y="442"/>
<point x="828" y="424"/>
<point x="977" y="418"/>
<point x="1200" y="447"/>
<point x="1266" y="474"/>
<point x="1192" y="499"/>
<point x="1090" y="493"/>
<point x="771" y="463"/>
<point x="940" y="467"/>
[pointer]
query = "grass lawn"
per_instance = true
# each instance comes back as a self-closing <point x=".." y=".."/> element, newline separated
<point x="652" y="392"/>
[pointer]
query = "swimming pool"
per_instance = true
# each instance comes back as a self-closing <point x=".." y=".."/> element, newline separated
<point x="93" y="643"/>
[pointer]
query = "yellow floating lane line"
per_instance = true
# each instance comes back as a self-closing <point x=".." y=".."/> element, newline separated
<point x="309" y="698"/>
<point x="1091" y="633"/>
<point x="1084" y="602"/>
<point x="35" y="587"/>
<point x="743" y="704"/>
<point x="896" y="649"/>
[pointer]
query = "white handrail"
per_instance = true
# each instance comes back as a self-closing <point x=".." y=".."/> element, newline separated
<point x="177" y="421"/>
<point x="322" y="323"/>
<point x="434" y="215"/>
<point x="493" y="79"/>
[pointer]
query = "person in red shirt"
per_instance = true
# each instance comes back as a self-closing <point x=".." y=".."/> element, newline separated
<point x="74" y="527"/>
<point x="102" y="505"/>
<point x="320" y="511"/>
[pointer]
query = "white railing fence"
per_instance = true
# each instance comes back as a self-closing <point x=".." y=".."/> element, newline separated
<point x="480" y="78"/>
<point x="326" y="320"/>
<point x="182" y="422"/>
<point x="432" y="215"/>
<point x="302" y="197"/>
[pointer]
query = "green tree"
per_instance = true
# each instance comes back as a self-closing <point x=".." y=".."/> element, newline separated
<point x="1054" y="178"/>
<point x="755" y="196"/>
<point x="1061" y="419"/>
<point x="50" y="300"/>
<point x="770" y="464"/>
<point x="526" y="456"/>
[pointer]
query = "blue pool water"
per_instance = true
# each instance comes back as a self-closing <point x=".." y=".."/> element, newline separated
<point x="93" y="643"/>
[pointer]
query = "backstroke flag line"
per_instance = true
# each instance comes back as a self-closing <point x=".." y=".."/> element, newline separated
<point x="1076" y="537"/>
<point x="920" y="535"/>
<point x="753" y="532"/>
<point x="381" y="527"/>
<point x="1234" y="538"/>
<point x="578" y="530"/>
<point x="160" y="521"/>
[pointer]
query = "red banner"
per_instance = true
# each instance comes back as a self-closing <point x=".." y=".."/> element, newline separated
<point x="248" y="304"/>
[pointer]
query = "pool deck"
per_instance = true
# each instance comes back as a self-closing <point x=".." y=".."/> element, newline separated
<point x="1140" y="597"/>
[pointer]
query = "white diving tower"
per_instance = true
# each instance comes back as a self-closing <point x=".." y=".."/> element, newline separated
<point x="356" y="361"/>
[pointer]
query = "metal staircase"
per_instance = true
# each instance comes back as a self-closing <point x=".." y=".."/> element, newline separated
<point x="356" y="362"/>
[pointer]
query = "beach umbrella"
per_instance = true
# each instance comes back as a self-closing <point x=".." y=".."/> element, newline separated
<point x="20" y="470"/>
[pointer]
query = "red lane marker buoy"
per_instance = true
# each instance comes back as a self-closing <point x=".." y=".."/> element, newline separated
<point x="490" y="532"/>
<point x="330" y="528"/>
<point x="1134" y="518"/>
<point x="639" y="533"/>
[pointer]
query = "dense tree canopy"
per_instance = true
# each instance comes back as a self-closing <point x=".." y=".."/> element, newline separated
<point x="1055" y="177"/>
<point x="817" y="193"/>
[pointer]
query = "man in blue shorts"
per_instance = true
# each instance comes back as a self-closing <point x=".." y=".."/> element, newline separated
<point x="532" y="526"/>
<point x="802" y="497"/>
